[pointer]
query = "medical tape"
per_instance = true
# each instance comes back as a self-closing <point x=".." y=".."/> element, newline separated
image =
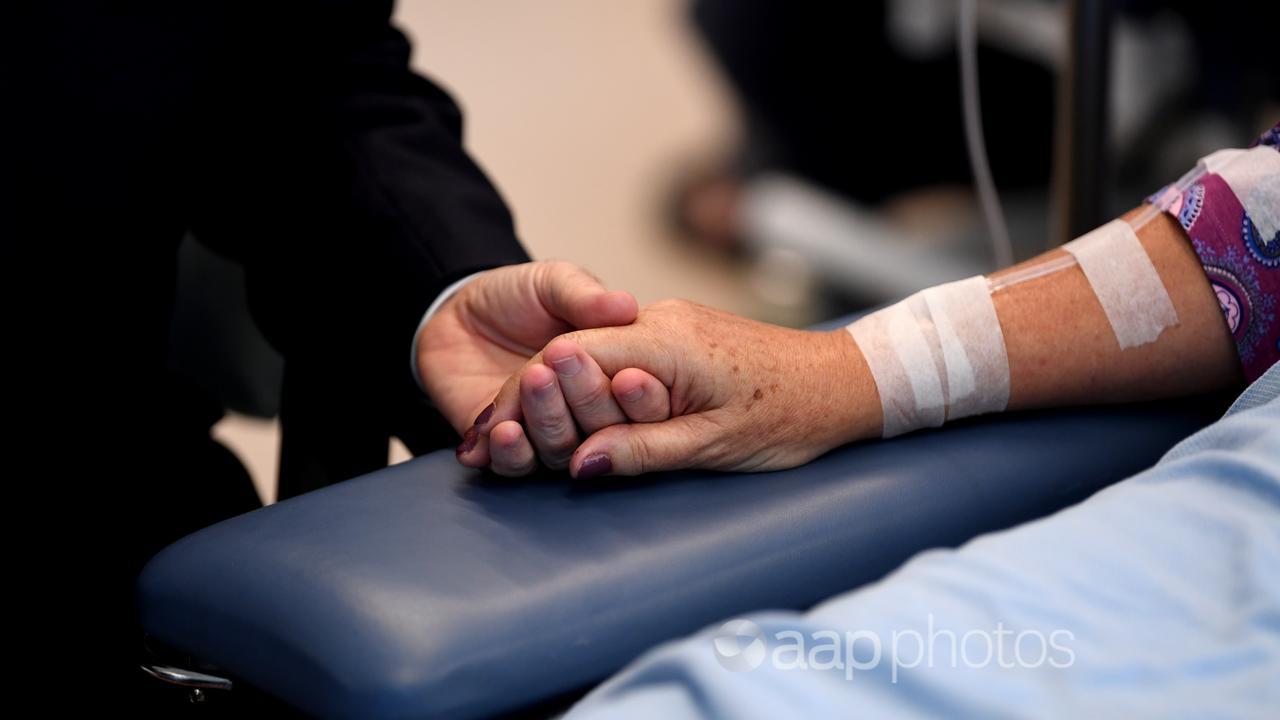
<point x="1254" y="178"/>
<point x="1050" y="264"/>
<point x="1125" y="282"/>
<point x="940" y="354"/>
<point x="903" y="369"/>
<point x="919" y="309"/>
<point x="1215" y="161"/>
<point x="973" y="349"/>
<point x="1120" y="273"/>
<point x="937" y="355"/>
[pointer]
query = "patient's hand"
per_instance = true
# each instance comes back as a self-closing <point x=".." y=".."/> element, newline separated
<point x="563" y="397"/>
<point x="744" y="395"/>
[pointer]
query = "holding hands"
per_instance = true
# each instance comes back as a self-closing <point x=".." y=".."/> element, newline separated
<point x="496" y="322"/>
<point x="683" y="386"/>
<point x="581" y="379"/>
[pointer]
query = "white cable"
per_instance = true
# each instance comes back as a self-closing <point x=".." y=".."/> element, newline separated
<point x="967" y="43"/>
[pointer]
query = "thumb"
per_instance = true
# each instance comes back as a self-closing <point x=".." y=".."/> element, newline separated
<point x="577" y="297"/>
<point x="640" y="448"/>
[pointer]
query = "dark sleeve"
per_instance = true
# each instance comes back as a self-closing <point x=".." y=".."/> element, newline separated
<point x="409" y="168"/>
<point x="357" y="202"/>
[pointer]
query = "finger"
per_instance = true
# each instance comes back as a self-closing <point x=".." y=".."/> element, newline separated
<point x="640" y="448"/>
<point x="474" y="450"/>
<point x="615" y="349"/>
<point x="550" y="426"/>
<point x="642" y="397"/>
<point x="574" y="295"/>
<point x="585" y="386"/>
<point x="510" y="452"/>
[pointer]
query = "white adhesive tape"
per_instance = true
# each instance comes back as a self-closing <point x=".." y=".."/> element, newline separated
<point x="935" y="356"/>
<point x="1125" y="283"/>
<point x="903" y="369"/>
<point x="973" y="348"/>
<point x="919" y="309"/>
<point x="909" y="341"/>
<point x="1218" y="159"/>
<point x="1254" y="177"/>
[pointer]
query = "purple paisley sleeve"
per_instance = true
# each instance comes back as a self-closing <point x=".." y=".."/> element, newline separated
<point x="1241" y="262"/>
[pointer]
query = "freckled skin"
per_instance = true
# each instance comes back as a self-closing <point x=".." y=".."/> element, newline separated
<point x="740" y="425"/>
<point x="1062" y="351"/>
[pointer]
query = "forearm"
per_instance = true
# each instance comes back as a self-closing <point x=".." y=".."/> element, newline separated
<point x="750" y="396"/>
<point x="1060" y="346"/>
<point x="1131" y="311"/>
<point x="1062" y="350"/>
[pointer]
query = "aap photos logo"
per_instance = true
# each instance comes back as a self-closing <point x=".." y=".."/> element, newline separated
<point x="740" y="646"/>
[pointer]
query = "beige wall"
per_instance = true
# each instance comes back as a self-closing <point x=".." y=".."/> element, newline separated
<point x="581" y="111"/>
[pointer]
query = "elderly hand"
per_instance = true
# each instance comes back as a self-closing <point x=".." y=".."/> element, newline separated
<point x="561" y="390"/>
<point x="744" y="395"/>
<point x="492" y="327"/>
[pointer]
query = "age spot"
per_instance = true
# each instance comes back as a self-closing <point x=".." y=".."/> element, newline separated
<point x="757" y="394"/>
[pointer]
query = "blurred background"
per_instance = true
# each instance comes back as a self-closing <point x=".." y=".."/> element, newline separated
<point x="791" y="161"/>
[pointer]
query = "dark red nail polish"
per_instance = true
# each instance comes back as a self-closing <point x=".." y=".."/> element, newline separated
<point x="485" y="414"/>
<point x="594" y="466"/>
<point x="469" y="439"/>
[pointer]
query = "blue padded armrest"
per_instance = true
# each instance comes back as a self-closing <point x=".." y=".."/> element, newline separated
<point x="429" y="590"/>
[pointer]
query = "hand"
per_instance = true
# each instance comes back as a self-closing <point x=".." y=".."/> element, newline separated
<point x="745" y="395"/>
<point x="495" y="323"/>
<point x="568" y="392"/>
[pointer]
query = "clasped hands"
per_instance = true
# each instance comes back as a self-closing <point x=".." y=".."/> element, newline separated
<point x="538" y="364"/>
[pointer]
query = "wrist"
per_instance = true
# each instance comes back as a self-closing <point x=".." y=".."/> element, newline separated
<point x="439" y="348"/>
<point x="417" y="348"/>
<point x="848" y="390"/>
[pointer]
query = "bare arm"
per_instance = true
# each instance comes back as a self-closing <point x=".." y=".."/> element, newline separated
<point x="750" y="396"/>
<point x="1062" y="351"/>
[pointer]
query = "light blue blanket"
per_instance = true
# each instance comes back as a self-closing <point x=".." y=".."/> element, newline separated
<point x="1159" y="596"/>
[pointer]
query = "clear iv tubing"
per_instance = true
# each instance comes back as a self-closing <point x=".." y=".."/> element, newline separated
<point x="1062" y="261"/>
<point x="967" y="45"/>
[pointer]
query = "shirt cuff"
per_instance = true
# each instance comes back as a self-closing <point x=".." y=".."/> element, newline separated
<point x="440" y="300"/>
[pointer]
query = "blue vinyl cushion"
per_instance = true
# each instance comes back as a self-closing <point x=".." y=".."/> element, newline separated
<point x="429" y="590"/>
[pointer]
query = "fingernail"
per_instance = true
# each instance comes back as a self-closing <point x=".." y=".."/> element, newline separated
<point x="567" y="367"/>
<point x="634" y="395"/>
<point x="545" y="391"/>
<point x="484" y="415"/>
<point x="469" y="439"/>
<point x="594" y="466"/>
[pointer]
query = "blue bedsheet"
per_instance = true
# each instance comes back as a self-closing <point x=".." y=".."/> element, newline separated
<point x="1159" y="596"/>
